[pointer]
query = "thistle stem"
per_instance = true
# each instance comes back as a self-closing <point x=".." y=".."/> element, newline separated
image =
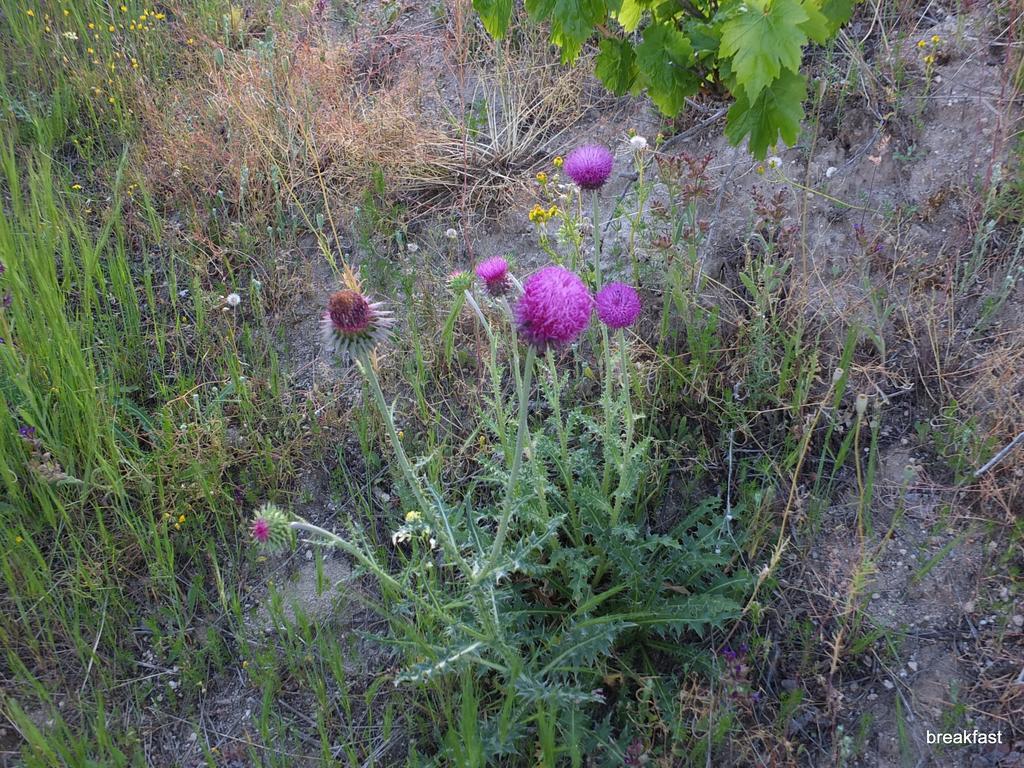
<point x="597" y="238"/>
<point x="517" y="460"/>
<point x="366" y="366"/>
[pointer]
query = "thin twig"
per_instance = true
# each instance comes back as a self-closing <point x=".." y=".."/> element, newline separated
<point x="1000" y="456"/>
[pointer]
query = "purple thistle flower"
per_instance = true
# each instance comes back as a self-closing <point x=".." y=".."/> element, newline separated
<point x="618" y="305"/>
<point x="353" y="324"/>
<point x="589" y="166"/>
<point x="494" y="273"/>
<point x="555" y="307"/>
<point x="261" y="530"/>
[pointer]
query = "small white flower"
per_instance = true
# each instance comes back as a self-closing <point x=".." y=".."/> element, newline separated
<point x="433" y="543"/>
<point x="830" y="171"/>
<point x="773" y="162"/>
<point x="637" y="143"/>
<point x="71" y="35"/>
<point x="412" y="247"/>
<point x="451" y="234"/>
<point x="233" y="299"/>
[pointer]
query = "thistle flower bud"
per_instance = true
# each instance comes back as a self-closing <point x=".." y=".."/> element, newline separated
<point x="270" y="528"/>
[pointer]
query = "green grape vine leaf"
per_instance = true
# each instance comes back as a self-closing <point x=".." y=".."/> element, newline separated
<point x="495" y="15"/>
<point x="764" y="38"/>
<point x="777" y="110"/>
<point x="665" y="59"/>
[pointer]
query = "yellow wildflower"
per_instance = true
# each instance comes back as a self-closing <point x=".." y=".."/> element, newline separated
<point x="91" y="25"/>
<point x="557" y="162"/>
<point x="110" y="28"/>
<point x="936" y="39"/>
<point x="30" y="12"/>
<point x="124" y="9"/>
<point x="542" y="178"/>
<point x="18" y="539"/>
<point x="413" y="516"/>
<point x="921" y="43"/>
<point x="76" y="187"/>
<point x="67" y="12"/>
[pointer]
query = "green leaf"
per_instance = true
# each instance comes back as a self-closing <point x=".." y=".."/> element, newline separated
<point x="762" y="39"/>
<point x="495" y="15"/>
<point x="665" y="60"/>
<point x="817" y="25"/>
<point x="629" y="14"/>
<point x="838" y="12"/>
<point x="776" y="111"/>
<point x="616" y="65"/>
<point x="572" y="21"/>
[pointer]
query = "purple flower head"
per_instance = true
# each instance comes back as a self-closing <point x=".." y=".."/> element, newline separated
<point x="353" y="324"/>
<point x="494" y="273"/>
<point x="589" y="166"/>
<point x="261" y="530"/>
<point x="555" y="307"/>
<point x="270" y="527"/>
<point x="618" y="305"/>
<point x="26" y="431"/>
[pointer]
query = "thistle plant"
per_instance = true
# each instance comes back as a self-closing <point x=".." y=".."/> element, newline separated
<point x="560" y="511"/>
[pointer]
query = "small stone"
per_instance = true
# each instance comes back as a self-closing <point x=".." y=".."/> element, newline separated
<point x="912" y="666"/>
<point x="1018" y="620"/>
<point x="969" y="606"/>
<point x="309" y="554"/>
<point x="872" y="696"/>
<point x="888" y="685"/>
<point x="875" y="596"/>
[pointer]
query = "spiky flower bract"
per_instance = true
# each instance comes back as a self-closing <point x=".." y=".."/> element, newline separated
<point x="352" y="324"/>
<point x="270" y="528"/>
<point x="555" y="307"/>
<point x="494" y="274"/>
<point x="589" y="166"/>
<point x="460" y="281"/>
<point x="618" y="305"/>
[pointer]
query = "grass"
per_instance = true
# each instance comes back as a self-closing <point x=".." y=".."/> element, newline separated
<point x="149" y="172"/>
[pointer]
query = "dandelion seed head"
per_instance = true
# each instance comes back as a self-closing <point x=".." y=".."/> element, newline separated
<point x="233" y="299"/>
<point x="637" y="143"/>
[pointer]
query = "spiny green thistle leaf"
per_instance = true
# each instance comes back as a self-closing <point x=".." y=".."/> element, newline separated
<point x="777" y="111"/>
<point x="665" y="60"/>
<point x="495" y="15"/>
<point x="764" y="38"/>
<point x="583" y="645"/>
<point x="616" y="65"/>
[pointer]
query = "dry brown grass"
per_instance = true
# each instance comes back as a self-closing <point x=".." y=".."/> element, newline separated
<point x="315" y="127"/>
